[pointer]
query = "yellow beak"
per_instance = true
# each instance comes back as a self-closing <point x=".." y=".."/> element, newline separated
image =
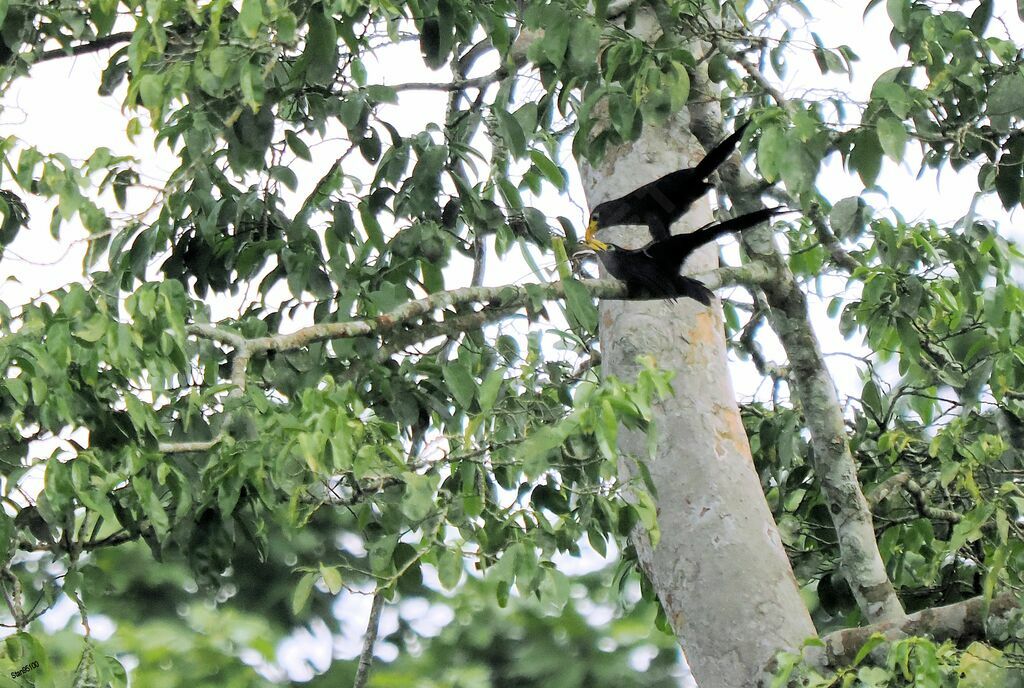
<point x="589" y="239"/>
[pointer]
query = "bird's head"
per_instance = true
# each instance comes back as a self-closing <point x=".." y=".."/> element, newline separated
<point x="581" y="250"/>
<point x="597" y="221"/>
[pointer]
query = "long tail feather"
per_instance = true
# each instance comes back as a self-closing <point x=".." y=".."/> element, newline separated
<point x="720" y="153"/>
<point x="711" y="232"/>
<point x="694" y="289"/>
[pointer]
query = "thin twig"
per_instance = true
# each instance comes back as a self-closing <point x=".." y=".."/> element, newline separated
<point x="369" y="640"/>
<point x="457" y="85"/>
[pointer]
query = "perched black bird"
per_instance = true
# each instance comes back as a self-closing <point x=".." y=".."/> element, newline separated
<point x="653" y="270"/>
<point x="660" y="203"/>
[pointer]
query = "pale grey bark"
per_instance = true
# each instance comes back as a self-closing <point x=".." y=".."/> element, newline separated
<point x="811" y="384"/>
<point x="972" y="619"/>
<point x="720" y="569"/>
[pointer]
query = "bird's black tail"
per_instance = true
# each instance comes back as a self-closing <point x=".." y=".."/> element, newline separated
<point x="693" y="289"/>
<point x="720" y="153"/>
<point x="710" y="232"/>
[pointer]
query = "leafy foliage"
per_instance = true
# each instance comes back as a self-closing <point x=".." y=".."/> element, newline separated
<point x="912" y="662"/>
<point x="445" y="444"/>
<point x="480" y="448"/>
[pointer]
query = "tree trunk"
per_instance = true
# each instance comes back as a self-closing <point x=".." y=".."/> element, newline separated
<point x="720" y="569"/>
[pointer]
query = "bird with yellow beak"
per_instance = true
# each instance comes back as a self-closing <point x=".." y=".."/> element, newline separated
<point x="652" y="271"/>
<point x="659" y="203"/>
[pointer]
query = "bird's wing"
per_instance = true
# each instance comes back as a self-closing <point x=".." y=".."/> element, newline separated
<point x="665" y="190"/>
<point x="656" y="223"/>
<point x="668" y="197"/>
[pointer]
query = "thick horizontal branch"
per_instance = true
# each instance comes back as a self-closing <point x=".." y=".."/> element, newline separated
<point x="404" y="324"/>
<point x="497" y="303"/>
<point x="188" y="447"/>
<point x="961" y="622"/>
<point x="93" y="46"/>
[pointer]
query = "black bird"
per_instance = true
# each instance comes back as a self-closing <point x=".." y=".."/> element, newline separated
<point x="653" y="270"/>
<point x="660" y="203"/>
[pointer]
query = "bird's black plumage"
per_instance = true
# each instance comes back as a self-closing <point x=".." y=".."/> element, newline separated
<point x="659" y="203"/>
<point x="653" y="270"/>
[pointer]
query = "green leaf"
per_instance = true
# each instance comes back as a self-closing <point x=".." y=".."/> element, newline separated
<point x="418" y="499"/>
<point x="848" y="217"/>
<point x="320" y="57"/>
<point x="873" y="677"/>
<point x="1006" y="100"/>
<point x="332" y="578"/>
<point x="893" y="137"/>
<point x="151" y="90"/>
<point x="580" y="306"/>
<point x="449" y="567"/>
<point x="549" y="169"/>
<point x="7" y="531"/>
<point x="584" y="45"/>
<point x="18" y="390"/>
<point x="872" y="399"/>
<point x="874" y="641"/>
<point x="981" y="17"/>
<point x="969" y="529"/>
<point x="251" y="17"/>
<point x="771" y="150"/>
<point x="866" y="158"/>
<point x="297" y="145"/>
<point x="113" y="76"/>
<point x="899" y="13"/>
<point x="151" y="504"/>
<point x="677" y="85"/>
<point x="460" y="382"/>
<point x="555" y="588"/>
<point x="648" y="512"/>
<point x="512" y="132"/>
<point x="488" y="393"/>
<point x="606" y="431"/>
<point x="93" y="329"/>
<point x="799" y="167"/>
<point x="982" y="666"/>
<point x="555" y="39"/>
<point x="251" y="84"/>
<point x="302" y="591"/>
<point x="285" y="175"/>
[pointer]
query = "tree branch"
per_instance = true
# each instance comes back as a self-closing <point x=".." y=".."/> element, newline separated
<point x="920" y="497"/>
<point x="812" y="385"/>
<point x="372" y="626"/>
<point x="456" y="85"/>
<point x="825" y="235"/>
<point x="961" y="622"/>
<point x="497" y="303"/>
<point x="755" y="73"/>
<point x="93" y="46"/>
